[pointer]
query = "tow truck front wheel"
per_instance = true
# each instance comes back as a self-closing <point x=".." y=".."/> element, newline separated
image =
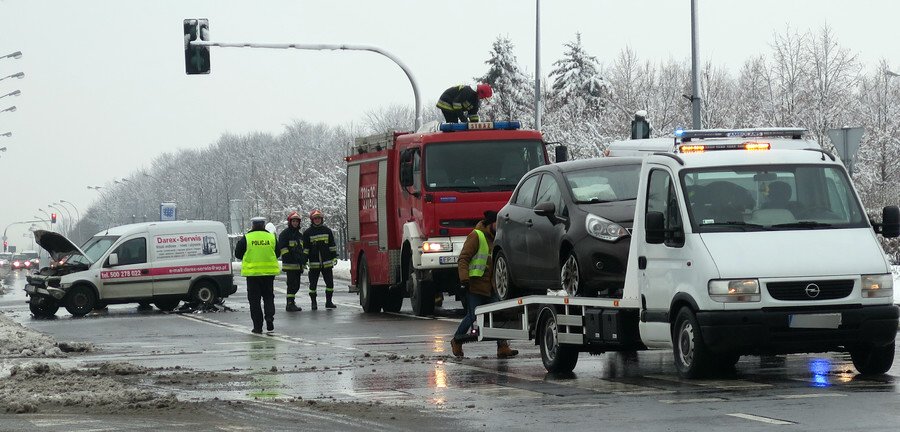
<point x="873" y="360"/>
<point x="42" y="307"/>
<point x="80" y="300"/>
<point x="557" y="358"/>
<point x="692" y="357"/>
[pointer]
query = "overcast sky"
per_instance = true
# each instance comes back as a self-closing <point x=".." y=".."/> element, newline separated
<point x="105" y="90"/>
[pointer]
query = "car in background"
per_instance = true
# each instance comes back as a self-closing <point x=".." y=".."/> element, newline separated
<point x="6" y="259"/>
<point x="19" y="262"/>
<point x="566" y="228"/>
<point x="34" y="259"/>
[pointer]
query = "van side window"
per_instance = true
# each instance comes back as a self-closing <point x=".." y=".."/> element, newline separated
<point x="133" y="251"/>
<point x="525" y="195"/>
<point x="661" y="197"/>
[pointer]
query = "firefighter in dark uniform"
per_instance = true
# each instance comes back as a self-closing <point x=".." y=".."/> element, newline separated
<point x="290" y="247"/>
<point x="321" y="253"/>
<point x="460" y="103"/>
<point x="259" y="264"/>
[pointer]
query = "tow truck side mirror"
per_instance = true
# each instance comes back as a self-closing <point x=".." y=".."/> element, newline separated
<point x="113" y="260"/>
<point x="546" y="209"/>
<point x="655" y="230"/>
<point x="890" y="222"/>
<point x="406" y="174"/>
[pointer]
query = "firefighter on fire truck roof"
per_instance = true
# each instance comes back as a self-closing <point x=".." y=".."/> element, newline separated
<point x="321" y="251"/>
<point x="290" y="247"/>
<point x="460" y="103"/>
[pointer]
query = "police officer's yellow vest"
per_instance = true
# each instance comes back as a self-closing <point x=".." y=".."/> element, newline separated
<point x="259" y="259"/>
<point x="478" y="263"/>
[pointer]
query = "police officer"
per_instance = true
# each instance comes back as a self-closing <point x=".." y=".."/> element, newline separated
<point x="459" y="104"/>
<point x="321" y="251"/>
<point x="259" y="264"/>
<point x="290" y="245"/>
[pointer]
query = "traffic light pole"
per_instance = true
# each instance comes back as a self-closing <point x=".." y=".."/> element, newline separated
<point x="14" y="223"/>
<point x="328" y="47"/>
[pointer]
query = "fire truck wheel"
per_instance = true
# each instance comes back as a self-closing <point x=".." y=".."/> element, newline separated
<point x="368" y="295"/>
<point x="557" y="357"/>
<point x="503" y="278"/>
<point x="422" y="296"/>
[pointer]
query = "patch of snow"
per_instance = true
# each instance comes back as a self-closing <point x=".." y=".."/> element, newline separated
<point x="19" y="341"/>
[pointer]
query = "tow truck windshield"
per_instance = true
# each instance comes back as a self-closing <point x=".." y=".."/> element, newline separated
<point x="784" y="197"/>
<point x="480" y="166"/>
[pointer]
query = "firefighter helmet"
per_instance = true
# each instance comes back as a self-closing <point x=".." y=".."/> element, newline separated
<point x="294" y="215"/>
<point x="316" y="214"/>
<point x="484" y="91"/>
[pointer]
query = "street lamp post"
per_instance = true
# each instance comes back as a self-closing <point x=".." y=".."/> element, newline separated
<point x="12" y="93"/>
<point x="77" y="217"/>
<point x="18" y="75"/>
<point x="10" y="109"/>
<point x="15" y="55"/>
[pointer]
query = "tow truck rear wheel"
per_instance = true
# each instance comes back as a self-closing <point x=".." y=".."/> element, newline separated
<point x="42" y="307"/>
<point x="873" y="360"/>
<point x="502" y="277"/>
<point x="692" y="358"/>
<point x="557" y="358"/>
<point x="80" y="300"/>
<point x="422" y="297"/>
<point x="368" y="295"/>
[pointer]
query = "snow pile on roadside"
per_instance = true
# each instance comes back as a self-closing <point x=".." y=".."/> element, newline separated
<point x="38" y="386"/>
<point x="18" y="341"/>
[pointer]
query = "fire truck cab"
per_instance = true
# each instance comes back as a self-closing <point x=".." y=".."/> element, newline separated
<point x="412" y="198"/>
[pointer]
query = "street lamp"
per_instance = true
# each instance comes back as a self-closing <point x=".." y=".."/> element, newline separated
<point x="2" y="149"/>
<point x="6" y="134"/>
<point x="891" y="73"/>
<point x="96" y="188"/>
<point x="12" y="93"/>
<point x="121" y="181"/>
<point x="10" y="109"/>
<point x="15" y="55"/>
<point x="19" y="75"/>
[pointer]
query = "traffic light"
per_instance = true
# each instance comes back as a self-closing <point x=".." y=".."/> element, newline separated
<point x="52" y="217"/>
<point x="5" y="244"/>
<point x="196" y="58"/>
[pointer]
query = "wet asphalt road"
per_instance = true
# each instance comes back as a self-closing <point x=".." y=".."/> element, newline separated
<point x="399" y="360"/>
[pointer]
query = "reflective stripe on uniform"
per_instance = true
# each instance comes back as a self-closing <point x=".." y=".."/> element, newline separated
<point x="478" y="263"/>
<point x="444" y="105"/>
<point x="319" y="238"/>
<point x="291" y="266"/>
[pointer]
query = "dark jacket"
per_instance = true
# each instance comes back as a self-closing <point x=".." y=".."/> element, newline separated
<point x="459" y="98"/>
<point x="319" y="246"/>
<point x="483" y="285"/>
<point x="241" y="247"/>
<point x="290" y="247"/>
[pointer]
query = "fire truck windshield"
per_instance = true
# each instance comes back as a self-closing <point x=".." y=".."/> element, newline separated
<point x="480" y="166"/>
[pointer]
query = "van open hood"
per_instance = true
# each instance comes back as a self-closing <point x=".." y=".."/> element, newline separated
<point x="56" y="244"/>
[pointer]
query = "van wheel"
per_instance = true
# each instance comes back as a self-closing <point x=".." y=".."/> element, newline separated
<point x="422" y="298"/>
<point x="557" y="358"/>
<point x="570" y="276"/>
<point x="368" y="295"/>
<point x="80" y="301"/>
<point x="873" y="360"/>
<point x="43" y="307"/>
<point x="503" y="278"/>
<point x="167" y="305"/>
<point x="204" y="293"/>
<point x="692" y="357"/>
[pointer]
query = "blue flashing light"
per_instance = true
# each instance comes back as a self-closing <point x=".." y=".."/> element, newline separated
<point x="679" y="133"/>
<point x="457" y="127"/>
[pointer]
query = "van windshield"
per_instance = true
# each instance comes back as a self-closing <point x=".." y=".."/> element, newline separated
<point x="480" y="166"/>
<point x="782" y="197"/>
<point x="97" y="246"/>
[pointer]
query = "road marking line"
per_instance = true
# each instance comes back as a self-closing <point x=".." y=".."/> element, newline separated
<point x="811" y="395"/>
<point x="697" y="400"/>
<point x="768" y="420"/>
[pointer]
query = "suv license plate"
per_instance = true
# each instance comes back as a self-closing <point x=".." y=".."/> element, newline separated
<point x="820" y="321"/>
<point x="448" y="259"/>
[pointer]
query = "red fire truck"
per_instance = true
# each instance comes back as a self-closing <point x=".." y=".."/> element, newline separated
<point x="413" y="197"/>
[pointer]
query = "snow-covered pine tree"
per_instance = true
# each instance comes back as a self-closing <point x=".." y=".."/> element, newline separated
<point x="576" y="78"/>
<point x="513" y="95"/>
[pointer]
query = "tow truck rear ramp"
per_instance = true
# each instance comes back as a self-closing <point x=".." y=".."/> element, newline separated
<point x="563" y="326"/>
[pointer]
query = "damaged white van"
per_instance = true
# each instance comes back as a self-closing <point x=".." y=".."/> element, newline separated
<point x="157" y="262"/>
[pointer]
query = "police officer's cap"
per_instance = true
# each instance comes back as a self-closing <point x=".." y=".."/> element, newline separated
<point x="259" y="220"/>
